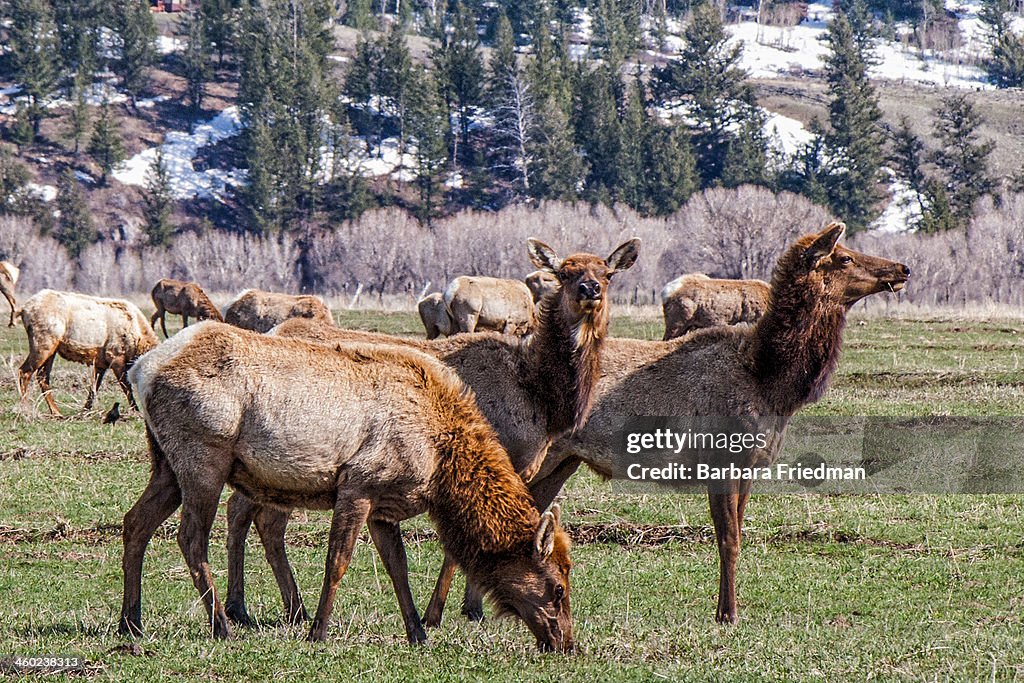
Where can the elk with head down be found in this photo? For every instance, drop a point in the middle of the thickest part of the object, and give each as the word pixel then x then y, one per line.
pixel 758 376
pixel 478 303
pixel 259 311
pixel 693 301
pixel 8 279
pixel 376 434
pixel 531 390
pixel 434 314
pixel 184 299
pixel 105 334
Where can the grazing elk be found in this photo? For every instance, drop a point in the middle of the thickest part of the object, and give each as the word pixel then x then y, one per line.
pixel 478 303
pixel 8 279
pixel 694 301
pixel 531 390
pixel 184 299
pixel 376 434
pixel 540 282
pixel 259 311
pixel 760 375
pixel 434 315
pixel 105 334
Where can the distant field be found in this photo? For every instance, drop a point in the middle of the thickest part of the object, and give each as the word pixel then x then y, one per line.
pixel 831 588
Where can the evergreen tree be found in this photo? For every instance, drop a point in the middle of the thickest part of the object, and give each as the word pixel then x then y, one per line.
pixel 962 156
pixel 714 90
pixel 14 177
pixel 196 59
pixel 1005 65
pixel 633 139
pixel 362 86
pixel 396 80
pixel 938 214
pixel 33 43
pixel 746 155
pixel 79 23
pixel 359 15
pixel 105 145
pixel 807 172
pixel 21 132
pixel 669 168
pixel 219 18
pixel 854 140
pixel 907 161
pixel 460 70
pixel 429 127
pixel 556 169
pixel 137 36
pixel 79 118
pixel 75 230
pixel 598 130
pixel 158 200
pixel 348 194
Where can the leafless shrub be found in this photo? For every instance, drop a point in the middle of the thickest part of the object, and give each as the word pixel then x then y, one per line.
pixel 43 262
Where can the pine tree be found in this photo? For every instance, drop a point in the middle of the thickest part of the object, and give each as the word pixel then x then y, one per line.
pixel 79 25
pixel 460 69
pixel 158 200
pixel 556 169
pixel 598 131
pixel 137 35
pixel 713 87
pixel 938 215
pixel 21 132
pixel 196 59
pixel 670 169
pixel 429 126
pixel 219 19
pixel 75 230
pixel 396 80
pixel 854 140
pixel 359 15
pixel 746 155
pixel 907 161
pixel 105 145
pixel 348 194
pixel 14 176
pixel 962 156
pixel 631 163
pixel 1005 65
pixel 79 118
pixel 33 43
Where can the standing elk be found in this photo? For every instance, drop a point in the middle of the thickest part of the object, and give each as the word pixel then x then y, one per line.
pixel 694 301
pixel 759 375
pixel 105 334
pixel 376 434
pixel 8 279
pixel 184 299
pixel 259 311
pixel 478 303
pixel 434 314
pixel 531 390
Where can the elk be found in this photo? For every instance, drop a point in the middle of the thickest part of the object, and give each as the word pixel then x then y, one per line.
pixel 759 375
pixel 694 301
pixel 259 311
pixel 531 390
pixel 8 279
pixel 434 315
pixel 184 299
pixel 105 334
pixel 540 282
pixel 375 434
pixel 478 303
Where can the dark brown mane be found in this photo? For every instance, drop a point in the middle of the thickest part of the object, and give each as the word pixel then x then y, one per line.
pixel 797 342
pixel 569 362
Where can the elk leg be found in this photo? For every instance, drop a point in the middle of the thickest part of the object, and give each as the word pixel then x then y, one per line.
pixel 199 508
pixel 387 536
pixel 435 608
pixel 349 516
pixel 120 370
pixel 241 511
pixel 39 363
pixel 725 515
pixel 158 315
pixel 94 385
pixel 43 376
pixel 184 321
pixel 10 300
pixel 161 497
pixel 271 525
pixel 544 492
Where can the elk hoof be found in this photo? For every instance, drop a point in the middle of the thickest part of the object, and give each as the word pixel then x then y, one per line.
pixel 417 636
pixel 727 618
pixel 474 612
pixel 239 614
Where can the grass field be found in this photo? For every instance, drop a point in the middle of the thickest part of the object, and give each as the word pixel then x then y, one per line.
pixel 831 588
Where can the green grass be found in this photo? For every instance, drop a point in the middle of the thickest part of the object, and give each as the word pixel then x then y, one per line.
pixel 831 587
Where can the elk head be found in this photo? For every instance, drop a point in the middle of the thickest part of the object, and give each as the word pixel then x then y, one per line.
pixel 848 276
pixel 583 279
pixel 535 586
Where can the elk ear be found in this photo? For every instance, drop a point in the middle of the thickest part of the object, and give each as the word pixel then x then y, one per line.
pixel 543 256
pixel 825 243
pixel 625 256
pixel 544 541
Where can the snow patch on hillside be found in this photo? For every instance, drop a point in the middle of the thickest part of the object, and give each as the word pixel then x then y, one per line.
pixel 179 149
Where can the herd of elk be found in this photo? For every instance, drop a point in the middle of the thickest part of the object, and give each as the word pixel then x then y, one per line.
pixel 480 430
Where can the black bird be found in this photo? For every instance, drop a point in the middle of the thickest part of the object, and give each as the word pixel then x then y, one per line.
pixel 113 415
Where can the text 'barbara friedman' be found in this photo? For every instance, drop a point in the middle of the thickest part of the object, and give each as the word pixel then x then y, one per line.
pixel 670 441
